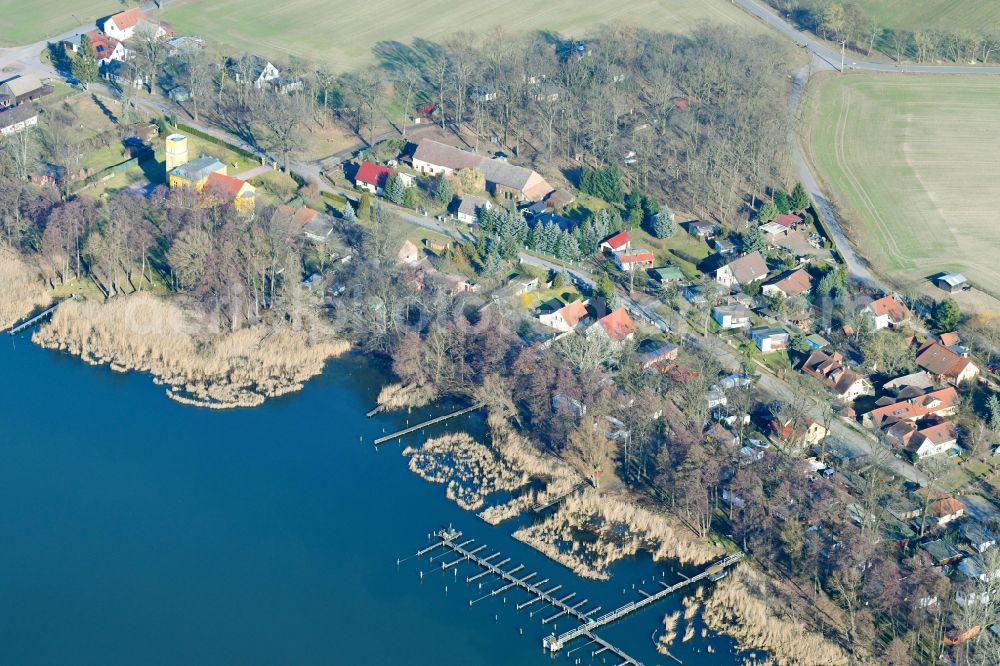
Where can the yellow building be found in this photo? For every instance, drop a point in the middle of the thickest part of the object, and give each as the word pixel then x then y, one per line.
pixel 220 188
pixel 195 173
pixel 177 151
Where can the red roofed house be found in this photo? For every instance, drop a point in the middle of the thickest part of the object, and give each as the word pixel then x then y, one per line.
pixel 620 242
pixel 372 177
pixel 566 318
pixel 946 510
pixel 934 437
pixel 121 26
pixel 938 360
pixel 888 311
pixel 229 189
pixel 789 285
pixel 628 261
pixel 743 271
pixel 841 380
pixel 942 402
pixel 787 220
pixel 617 326
pixel 104 48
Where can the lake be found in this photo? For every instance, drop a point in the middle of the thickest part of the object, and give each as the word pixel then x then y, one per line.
pixel 136 530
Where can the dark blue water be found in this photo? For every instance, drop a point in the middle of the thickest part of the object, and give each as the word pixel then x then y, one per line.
pixel 135 530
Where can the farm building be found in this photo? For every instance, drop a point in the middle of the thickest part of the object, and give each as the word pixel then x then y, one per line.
pixel 17 119
pixel 953 282
pixel 502 178
pixel 21 89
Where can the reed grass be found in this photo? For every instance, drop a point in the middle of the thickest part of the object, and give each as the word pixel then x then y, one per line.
pixel 744 606
pixel 22 289
pixel 152 334
pixel 404 396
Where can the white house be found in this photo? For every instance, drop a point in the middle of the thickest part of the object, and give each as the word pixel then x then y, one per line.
pixel 769 339
pixel 888 311
pixel 17 119
pixel 121 26
pixel 566 318
pixel 629 261
pixel 731 316
pixel 469 207
pixel 743 271
pixel 934 440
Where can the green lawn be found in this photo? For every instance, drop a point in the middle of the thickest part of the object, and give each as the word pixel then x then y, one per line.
pixel 912 163
pixel 24 22
pixel 974 15
pixel 343 34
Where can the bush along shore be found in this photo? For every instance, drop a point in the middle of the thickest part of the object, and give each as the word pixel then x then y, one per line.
pixel 152 334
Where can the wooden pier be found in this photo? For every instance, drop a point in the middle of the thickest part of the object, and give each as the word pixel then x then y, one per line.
pixel 439 419
pixel 556 643
pixel 542 506
pixel 17 328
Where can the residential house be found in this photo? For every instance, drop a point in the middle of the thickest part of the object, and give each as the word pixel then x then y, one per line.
pixel 502 178
pixel 804 431
pixel 923 440
pixel 230 190
pixel 469 206
pixel 941 552
pixel 20 89
pixel 909 386
pixel 843 382
pixel 194 174
pixel 732 316
pixel 743 271
pixel 316 226
pixel 635 259
pixel 566 318
pixel 667 274
pixel 616 326
pixel 942 402
pixel 952 282
pixel 17 119
pixel 620 242
pixel 702 229
pixel 942 362
pixel 373 177
pixel 946 510
pixel 888 311
pixel 122 26
pixel 788 285
pixel 125 75
pixel 103 47
pixel 409 253
pixel 658 357
pixel 259 71
pixel 769 339
pixel 559 198
pixel 978 536
pixel 788 220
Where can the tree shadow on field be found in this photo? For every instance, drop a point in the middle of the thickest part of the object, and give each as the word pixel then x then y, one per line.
pixel 395 55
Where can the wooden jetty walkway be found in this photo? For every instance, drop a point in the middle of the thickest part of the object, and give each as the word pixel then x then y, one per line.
pixel 439 419
pixel 555 643
pixel 17 328
pixel 542 506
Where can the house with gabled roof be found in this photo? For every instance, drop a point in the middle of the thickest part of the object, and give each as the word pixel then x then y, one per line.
pixel 789 284
pixel 634 259
pixel 843 382
pixel 942 362
pixel 923 439
pixel 942 402
pixel 732 316
pixel 978 536
pixel 888 311
pixel 20 89
pixel 566 318
pixel 18 119
pixel 373 177
pixel 946 510
pixel 616 326
pixel 230 190
pixel 122 26
pixel 469 206
pixel 740 272
pixel 103 47
pixel 502 178
pixel 619 242
pixel 316 226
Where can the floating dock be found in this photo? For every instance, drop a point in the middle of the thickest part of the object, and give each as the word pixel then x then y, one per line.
pixel 451 543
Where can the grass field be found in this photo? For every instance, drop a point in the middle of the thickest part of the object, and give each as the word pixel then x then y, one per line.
pixel 342 33
pixel 912 163
pixel 24 22
pixel 927 14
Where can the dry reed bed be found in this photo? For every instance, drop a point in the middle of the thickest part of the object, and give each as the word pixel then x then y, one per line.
pixel 147 333
pixel 620 528
pixel 742 606
pixel 471 470
pixel 22 289
pixel 669 634
pixel 403 396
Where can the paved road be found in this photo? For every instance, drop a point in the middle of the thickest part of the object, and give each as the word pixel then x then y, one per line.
pixel 832 57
